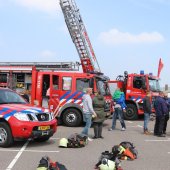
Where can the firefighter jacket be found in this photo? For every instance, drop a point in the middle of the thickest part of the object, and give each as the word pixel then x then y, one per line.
pixel 98 105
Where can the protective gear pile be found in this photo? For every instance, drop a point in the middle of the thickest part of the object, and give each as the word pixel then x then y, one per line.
pixel 112 160
pixel 74 141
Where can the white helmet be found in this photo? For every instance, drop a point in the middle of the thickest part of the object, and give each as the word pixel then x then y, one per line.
pixel 107 165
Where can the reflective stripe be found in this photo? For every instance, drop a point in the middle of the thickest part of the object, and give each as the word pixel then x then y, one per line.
pixel 7 116
pixel 63 96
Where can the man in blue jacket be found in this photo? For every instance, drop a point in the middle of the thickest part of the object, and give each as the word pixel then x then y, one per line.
pixel 160 110
pixel 167 114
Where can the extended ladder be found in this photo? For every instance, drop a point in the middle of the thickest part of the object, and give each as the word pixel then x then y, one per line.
pixel 79 36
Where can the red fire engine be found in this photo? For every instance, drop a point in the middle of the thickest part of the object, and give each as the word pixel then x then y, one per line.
pixel 135 87
pixel 66 88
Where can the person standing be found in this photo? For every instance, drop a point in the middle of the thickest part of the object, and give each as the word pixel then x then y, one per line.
pixel 98 105
pixel 119 108
pixel 167 113
pixel 147 111
pixel 88 111
pixel 160 110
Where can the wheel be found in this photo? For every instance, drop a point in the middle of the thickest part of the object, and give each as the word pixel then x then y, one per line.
pixel 6 138
pixel 72 117
pixel 131 112
pixel 42 139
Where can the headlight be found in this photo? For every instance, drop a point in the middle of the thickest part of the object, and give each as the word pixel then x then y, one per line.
pixel 21 116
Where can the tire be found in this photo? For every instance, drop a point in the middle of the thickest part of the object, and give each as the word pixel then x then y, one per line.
pixel 42 139
pixel 72 117
pixel 6 138
pixel 131 112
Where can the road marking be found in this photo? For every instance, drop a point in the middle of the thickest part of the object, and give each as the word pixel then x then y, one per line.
pixel 132 126
pixel 157 140
pixel 55 138
pixel 6 150
pixel 140 126
pixel 129 121
pixel 17 156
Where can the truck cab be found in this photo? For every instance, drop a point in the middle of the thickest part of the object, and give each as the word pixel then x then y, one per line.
pixel 66 91
pixel 135 87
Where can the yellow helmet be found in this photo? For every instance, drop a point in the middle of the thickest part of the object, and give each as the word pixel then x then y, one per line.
pixel 63 142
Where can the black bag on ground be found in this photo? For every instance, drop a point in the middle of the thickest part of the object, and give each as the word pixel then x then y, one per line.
pixel 58 166
pixel 46 164
pixel 77 140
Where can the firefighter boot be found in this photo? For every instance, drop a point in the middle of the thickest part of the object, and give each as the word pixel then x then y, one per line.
pixel 95 126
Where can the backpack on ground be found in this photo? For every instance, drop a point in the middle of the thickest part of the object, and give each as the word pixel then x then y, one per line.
pixel 129 151
pixel 46 164
pixel 77 140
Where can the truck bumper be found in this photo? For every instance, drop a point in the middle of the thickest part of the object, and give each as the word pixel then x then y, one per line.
pixel 25 130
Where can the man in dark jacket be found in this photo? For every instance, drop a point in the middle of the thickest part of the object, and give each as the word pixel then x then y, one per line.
pixel 147 111
pixel 167 113
pixel 160 110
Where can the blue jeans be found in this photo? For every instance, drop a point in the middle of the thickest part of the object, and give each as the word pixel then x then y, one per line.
pixel 146 121
pixel 87 118
pixel 118 113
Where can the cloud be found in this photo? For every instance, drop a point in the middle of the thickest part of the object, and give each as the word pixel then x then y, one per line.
pixel 48 6
pixel 46 54
pixel 114 37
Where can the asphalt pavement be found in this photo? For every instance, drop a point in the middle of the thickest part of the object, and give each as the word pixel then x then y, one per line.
pixel 154 152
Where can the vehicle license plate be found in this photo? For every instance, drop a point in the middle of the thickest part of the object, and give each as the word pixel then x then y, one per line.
pixel 43 127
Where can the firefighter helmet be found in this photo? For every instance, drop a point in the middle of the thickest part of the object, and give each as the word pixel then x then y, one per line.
pixel 107 165
pixel 63 142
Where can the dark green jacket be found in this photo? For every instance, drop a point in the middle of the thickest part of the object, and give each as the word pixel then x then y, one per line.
pixel 98 106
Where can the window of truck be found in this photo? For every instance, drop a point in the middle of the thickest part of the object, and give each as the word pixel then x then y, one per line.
pixel 137 82
pixel 82 84
pixel 103 87
pixel 154 85
pixel 3 78
pixel 67 83
pixel 55 82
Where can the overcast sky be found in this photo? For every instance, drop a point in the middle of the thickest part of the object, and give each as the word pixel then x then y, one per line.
pixel 126 34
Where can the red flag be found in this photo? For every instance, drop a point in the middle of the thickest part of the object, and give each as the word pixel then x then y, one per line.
pixel 160 66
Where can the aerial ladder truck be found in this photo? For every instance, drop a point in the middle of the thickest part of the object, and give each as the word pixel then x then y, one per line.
pixel 65 83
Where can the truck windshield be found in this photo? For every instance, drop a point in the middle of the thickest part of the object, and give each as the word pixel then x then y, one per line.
pixel 102 86
pixel 154 85
pixel 9 97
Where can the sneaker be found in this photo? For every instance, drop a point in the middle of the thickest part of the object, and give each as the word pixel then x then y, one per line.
pixel 89 139
pixel 123 129
pixel 110 129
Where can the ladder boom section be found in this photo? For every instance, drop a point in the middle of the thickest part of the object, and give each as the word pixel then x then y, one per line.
pixel 79 36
